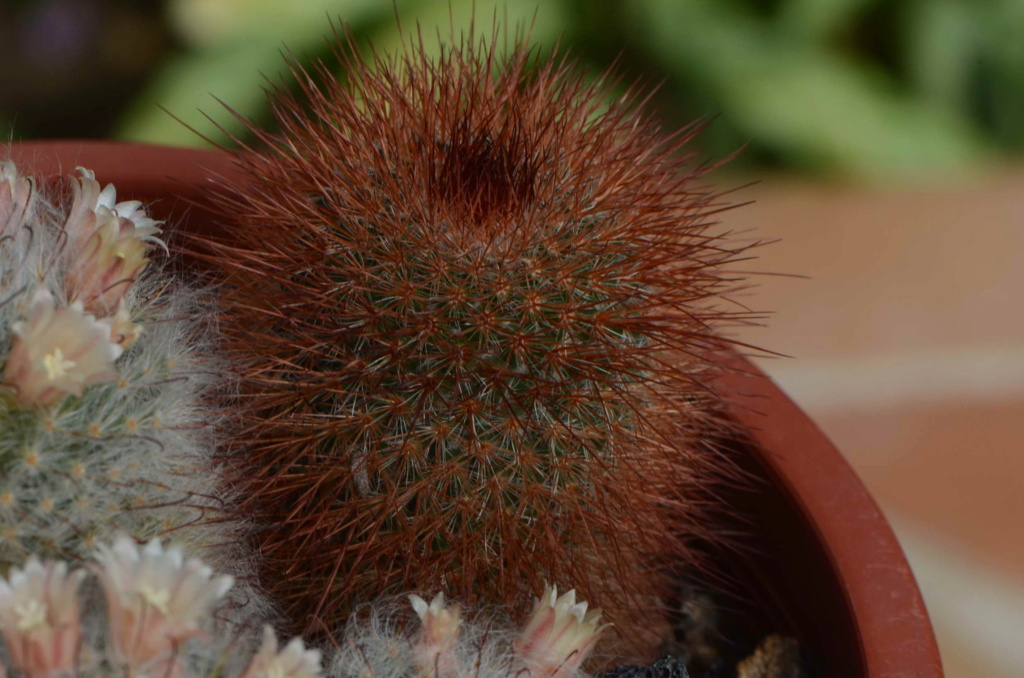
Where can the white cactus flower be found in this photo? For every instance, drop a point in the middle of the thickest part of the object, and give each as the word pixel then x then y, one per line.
pixel 434 645
pixel 89 202
pixel 294 661
pixel 103 270
pixel 58 352
pixel 559 635
pixel 156 600
pixel 39 617
pixel 107 244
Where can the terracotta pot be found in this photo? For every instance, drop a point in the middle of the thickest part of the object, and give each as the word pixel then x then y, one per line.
pixel 825 563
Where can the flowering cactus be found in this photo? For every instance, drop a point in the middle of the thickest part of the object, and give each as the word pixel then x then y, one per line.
pixel 158 622
pixel 555 642
pixel 103 426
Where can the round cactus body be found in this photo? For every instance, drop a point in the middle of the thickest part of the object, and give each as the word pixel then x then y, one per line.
pixel 470 307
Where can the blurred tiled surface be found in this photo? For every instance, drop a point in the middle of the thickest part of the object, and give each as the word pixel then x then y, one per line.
pixel 954 467
pixel 908 350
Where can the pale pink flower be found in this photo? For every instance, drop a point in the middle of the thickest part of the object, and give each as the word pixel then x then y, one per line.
pixel 17 195
pixel 434 646
pixel 57 352
pixel 107 244
pixel 88 201
pixel 156 601
pixel 100 274
pixel 294 661
pixel 81 219
pixel 39 618
pixel 559 635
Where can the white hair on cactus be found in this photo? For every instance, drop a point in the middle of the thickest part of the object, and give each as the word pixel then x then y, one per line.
pixel 90 447
pixel 383 642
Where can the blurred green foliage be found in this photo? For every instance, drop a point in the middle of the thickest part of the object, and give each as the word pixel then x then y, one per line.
pixel 871 89
pixel 235 46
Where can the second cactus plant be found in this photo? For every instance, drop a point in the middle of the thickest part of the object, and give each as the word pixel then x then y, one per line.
pixel 471 304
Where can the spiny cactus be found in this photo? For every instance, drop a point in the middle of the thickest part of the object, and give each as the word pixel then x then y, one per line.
pixel 158 620
pixel 471 305
pixel 102 422
pixel 556 641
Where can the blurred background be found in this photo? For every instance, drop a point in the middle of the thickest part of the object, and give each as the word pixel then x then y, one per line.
pixel 886 137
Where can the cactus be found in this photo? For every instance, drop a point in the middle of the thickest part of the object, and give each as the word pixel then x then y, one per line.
pixel 103 424
pixel 161 617
pixel 556 641
pixel 470 305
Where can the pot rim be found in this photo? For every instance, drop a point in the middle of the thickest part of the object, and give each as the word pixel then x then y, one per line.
pixel 888 612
